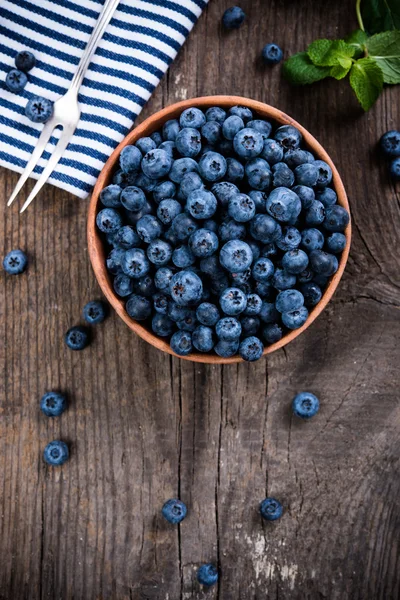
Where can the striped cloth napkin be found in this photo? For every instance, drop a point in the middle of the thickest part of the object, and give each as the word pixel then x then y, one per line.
pixel 139 44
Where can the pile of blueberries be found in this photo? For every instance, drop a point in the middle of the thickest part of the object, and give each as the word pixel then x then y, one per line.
pixel 222 231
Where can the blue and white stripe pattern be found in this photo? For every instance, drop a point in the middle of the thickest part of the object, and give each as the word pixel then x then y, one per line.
pixel 139 44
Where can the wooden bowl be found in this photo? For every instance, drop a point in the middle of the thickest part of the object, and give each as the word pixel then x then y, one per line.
pixel 153 123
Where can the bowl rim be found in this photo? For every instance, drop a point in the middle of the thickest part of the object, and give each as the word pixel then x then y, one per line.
pixel 153 123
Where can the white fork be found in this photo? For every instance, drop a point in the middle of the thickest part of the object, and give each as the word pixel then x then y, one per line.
pixel 66 112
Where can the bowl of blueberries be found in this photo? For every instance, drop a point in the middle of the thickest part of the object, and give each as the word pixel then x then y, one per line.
pixel 219 229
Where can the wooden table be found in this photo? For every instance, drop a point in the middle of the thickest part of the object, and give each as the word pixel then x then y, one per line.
pixel 143 426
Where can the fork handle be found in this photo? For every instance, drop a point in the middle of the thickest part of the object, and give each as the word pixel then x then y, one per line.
pixel 97 33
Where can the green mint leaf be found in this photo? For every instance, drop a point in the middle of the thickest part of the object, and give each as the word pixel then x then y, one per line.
pixel 380 15
pixel 339 71
pixel 366 79
pixel 299 70
pixel 325 53
pixel 357 39
pixel 384 48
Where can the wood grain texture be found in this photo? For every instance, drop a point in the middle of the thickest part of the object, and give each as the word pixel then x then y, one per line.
pixel 144 426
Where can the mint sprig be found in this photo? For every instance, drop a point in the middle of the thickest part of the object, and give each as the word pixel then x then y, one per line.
pixel 370 61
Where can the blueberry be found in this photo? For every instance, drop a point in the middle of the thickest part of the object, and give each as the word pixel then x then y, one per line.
pixel 188 142
pixel 149 228
pixel 145 183
pixel 336 218
pixel 294 158
pixel 108 220
pixel 110 196
pixel 271 509
pixel 282 176
pixel 223 191
pixel 234 170
pixel 145 144
pixel 170 148
pixel 203 338
pixel 272 151
pixel 144 286
pixel 181 343
pixel 123 285
pixel 186 288
pixel 163 191
pixel 306 174
pixel 15 262
pixel 250 325
pixel 312 293
pixel 251 349
pixel 243 112
pixel 126 237
pixel 124 179
pixel 268 313
pixel 327 196
pixel 272 333
pixel 170 130
pixel 315 214
pixel 159 252
pixel 157 138
pixel 226 349
pixel 265 229
pixel 228 329
pixel 270 249
pixel 211 132
pixel 305 276
pixel 295 318
pixel 162 325
pixel 16 81
pixel 207 314
pixel 236 256
pixel 324 173
pixel 336 243
pixel 233 301
pixel 183 257
pixel 94 312
pixel 130 159
pixel 390 144
pixel 203 243
pixel 211 225
pixel 134 263
pixel 230 230
pixel 167 210
pixel 259 198
pixel 263 127
pixel 190 182
pixel 132 217
pixel 77 338
pixel 231 126
pixel 156 163
pixel 258 174
pixel 189 321
pixel 160 303
pixel 263 269
pixel 323 263
pixel 181 167
pixel 254 304
pixel 288 136
pixel 183 226
pixel 289 300
pixel 113 261
pixel 294 261
pixel 192 117
pixel 305 405
pixel 255 249
pixel 290 239
pixel 56 453
pixel 282 280
pixel 320 280
pixel 39 110
pixel 215 113
pixel 283 204
pixel 201 204
pixel 162 278
pixel 233 17
pixel 241 208
pixel 177 313
pixel 53 404
pixel 312 239
pixel 248 143
pixel 306 195
pixel 133 198
pixel 272 54
pixel 212 166
pixel 25 61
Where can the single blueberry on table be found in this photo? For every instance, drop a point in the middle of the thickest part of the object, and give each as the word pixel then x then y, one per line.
pixel 272 333
pixel 39 110
pixel 144 286
pixel 56 453
pixel 160 303
pixel 135 263
pixel 296 157
pixel 305 405
pixel 207 575
pixel 296 318
pixel 236 256
pixel 312 293
pixel 212 166
pixel 289 300
pixel 288 136
pixel 272 151
pixel 390 144
pixel 130 159
pixel 241 208
pixel 306 174
pixel 53 404
pixel 123 285
pixel 201 204
pixel 268 313
pixel 186 288
pixel 282 280
pixel 211 132
pixel 234 170
pixel 94 312
pixel 251 349
pixel 77 338
pixel 248 143
pixel 315 214
pixel 230 230
pixel 323 263
pixel 233 301
pixel 188 142
pixel 203 243
pixel 336 243
pixel 282 176
pixel 228 329
pixel 15 262
pixel 183 256
pixel 250 325
pixel 145 144
pixel 271 509
pixel 233 17
pixel 203 338
pixel 110 196
pixel 163 191
pixel 25 61
pixel 108 220
pixel 138 307
pixel 263 127
pixel 223 191
pixel 258 174
pixel 156 164
pixel 183 226
pixel 215 113
pixel 170 130
pixel 312 239
pixel 272 54
pixel 295 261
pixel 167 210
pixel 283 204
pixel 192 117
pixel 263 269
pixel 265 229
pixel 159 252
pixel 181 343
pixel 231 126
pixel 174 511
pixel 226 349
pixel 162 325
pixel 327 196
pixel 336 218
pixel 290 239
pixel 306 195
pixel 16 81
pixel 190 182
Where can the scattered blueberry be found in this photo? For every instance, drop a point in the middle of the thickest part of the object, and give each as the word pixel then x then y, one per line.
pixel 174 511
pixel 271 509
pixel 53 404
pixel 25 61
pixel 305 405
pixel 39 110
pixel 233 17
pixel 16 80
pixel 56 453
pixel 15 262
pixel 207 575
pixel 272 54
pixel 94 312
pixel 77 338
pixel 390 144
